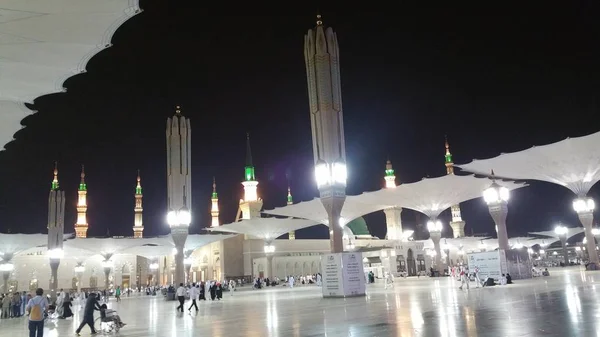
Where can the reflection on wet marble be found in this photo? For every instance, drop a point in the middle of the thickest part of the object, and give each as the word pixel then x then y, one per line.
pixel 565 304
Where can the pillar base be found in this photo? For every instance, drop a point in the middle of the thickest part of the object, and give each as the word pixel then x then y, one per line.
pixel 343 275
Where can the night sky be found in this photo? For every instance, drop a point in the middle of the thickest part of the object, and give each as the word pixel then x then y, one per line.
pixel 493 80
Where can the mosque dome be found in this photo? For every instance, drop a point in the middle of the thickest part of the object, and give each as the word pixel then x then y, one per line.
pixel 358 226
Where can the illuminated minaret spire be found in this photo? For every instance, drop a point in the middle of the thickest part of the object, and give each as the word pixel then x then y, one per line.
pixel 390 178
pixel 457 224
pixel 81 226
pixel 251 205
pixel 138 228
pixel 214 209
pixel 55 180
pixel 393 215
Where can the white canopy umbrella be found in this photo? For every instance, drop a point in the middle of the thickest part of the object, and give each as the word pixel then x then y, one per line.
pixel 195 241
pixel 44 42
pixel 267 229
pixel 570 232
pixel 11 244
pixel 431 196
pixel 314 210
pixel 573 163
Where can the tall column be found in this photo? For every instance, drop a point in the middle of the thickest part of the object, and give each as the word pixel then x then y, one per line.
pixel 269 266
pixel 584 207
pixel 393 221
pixel 499 211
pixel 56 224
pixel 435 237
pixel 106 277
pixel 5 276
pixel 179 214
pixel 321 54
pixel 563 241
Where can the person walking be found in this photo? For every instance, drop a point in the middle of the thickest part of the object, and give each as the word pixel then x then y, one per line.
pixel 194 293
pixel 464 278
pixel 88 314
pixel 180 296
pixel 118 293
pixel 36 307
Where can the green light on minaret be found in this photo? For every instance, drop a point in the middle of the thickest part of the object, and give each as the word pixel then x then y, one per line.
pixel 82 184
pixel 249 169
pixel 54 186
pixel 214 192
pixel 138 188
pixel 448 155
pixel 389 172
pixel 290 200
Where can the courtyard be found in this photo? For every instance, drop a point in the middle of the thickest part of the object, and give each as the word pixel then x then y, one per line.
pixel 564 304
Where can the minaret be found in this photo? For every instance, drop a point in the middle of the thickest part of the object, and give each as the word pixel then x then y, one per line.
pixel 457 224
pixel 251 205
pixel 56 228
pixel 138 228
pixel 393 219
pixel 290 201
pixel 214 209
pixel 81 226
pixel 179 186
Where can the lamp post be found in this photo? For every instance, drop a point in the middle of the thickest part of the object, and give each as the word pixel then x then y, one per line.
pixel 54 255
pixel 6 268
pixel 269 249
pixel 596 234
pixel 584 207
pixel 106 266
pixel 179 221
pixel 331 181
pixel 435 233
pixel 79 270
pixel 562 231
pixel 496 197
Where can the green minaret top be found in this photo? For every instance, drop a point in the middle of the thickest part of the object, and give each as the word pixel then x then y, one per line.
pixel 82 184
pixel 138 188
pixel 55 180
pixel 249 169
pixel 389 171
pixel 290 200
pixel 448 154
pixel 214 193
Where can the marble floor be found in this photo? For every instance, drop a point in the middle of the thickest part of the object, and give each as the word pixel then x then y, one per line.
pixel 565 304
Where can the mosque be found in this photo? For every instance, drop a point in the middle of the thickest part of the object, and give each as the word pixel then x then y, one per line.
pixel 74 261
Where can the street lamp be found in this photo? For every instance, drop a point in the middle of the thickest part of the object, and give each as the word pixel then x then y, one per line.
pixel 496 197
pixel 435 227
pixel 331 182
pixel 561 232
pixel 584 206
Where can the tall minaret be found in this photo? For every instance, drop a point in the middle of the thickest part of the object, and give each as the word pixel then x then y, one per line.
pixel 251 205
pixel 457 224
pixel 290 201
pixel 56 228
pixel 179 183
pixel 214 209
pixel 393 215
pixel 81 226
pixel 138 228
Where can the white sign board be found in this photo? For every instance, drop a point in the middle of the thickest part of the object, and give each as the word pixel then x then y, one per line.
pixel 343 275
pixel 490 264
